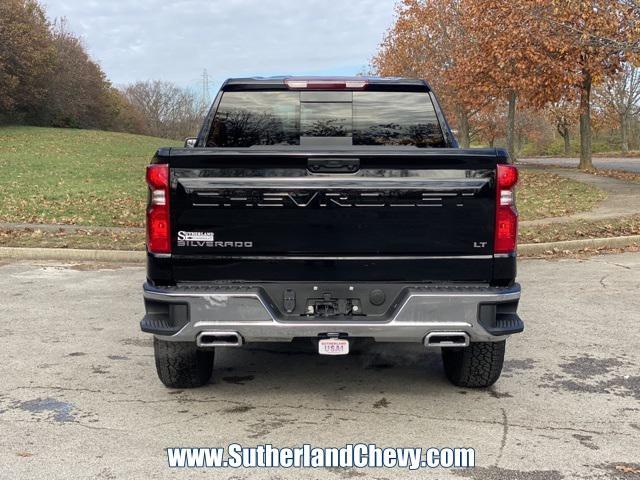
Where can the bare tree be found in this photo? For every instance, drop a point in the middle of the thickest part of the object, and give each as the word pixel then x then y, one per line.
pixel 620 98
pixel 563 114
pixel 169 111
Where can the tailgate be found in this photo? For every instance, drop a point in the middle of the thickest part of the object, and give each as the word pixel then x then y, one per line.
pixel 423 206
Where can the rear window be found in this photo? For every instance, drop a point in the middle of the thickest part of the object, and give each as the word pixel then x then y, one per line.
pixel 332 118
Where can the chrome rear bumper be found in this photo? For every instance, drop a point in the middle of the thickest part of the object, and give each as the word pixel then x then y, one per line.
pixel 183 313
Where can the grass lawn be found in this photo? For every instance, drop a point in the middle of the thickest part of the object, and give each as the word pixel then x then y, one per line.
pixel 83 177
pixel 96 178
pixel 542 195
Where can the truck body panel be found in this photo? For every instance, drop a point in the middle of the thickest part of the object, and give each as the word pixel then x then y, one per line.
pixel 249 208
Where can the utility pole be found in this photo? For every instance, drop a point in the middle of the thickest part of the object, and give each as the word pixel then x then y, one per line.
pixel 205 88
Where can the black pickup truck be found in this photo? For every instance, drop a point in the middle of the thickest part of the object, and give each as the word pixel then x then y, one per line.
pixel 331 209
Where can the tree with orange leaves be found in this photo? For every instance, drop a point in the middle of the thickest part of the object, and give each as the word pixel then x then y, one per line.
pixel 538 51
pixel 428 41
pixel 508 61
pixel 455 45
pixel 559 46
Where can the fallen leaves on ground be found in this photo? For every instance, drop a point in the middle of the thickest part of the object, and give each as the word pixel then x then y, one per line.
pixel 584 252
pixel 627 469
pixel 556 232
pixel 89 239
pixel 619 174
pixel 544 194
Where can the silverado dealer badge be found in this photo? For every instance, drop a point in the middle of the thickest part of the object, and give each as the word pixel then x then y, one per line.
pixel 207 239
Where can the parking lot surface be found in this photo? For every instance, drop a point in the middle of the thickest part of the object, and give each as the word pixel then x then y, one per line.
pixel 80 397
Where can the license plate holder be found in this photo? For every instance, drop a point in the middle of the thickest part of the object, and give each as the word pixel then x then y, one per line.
pixel 333 346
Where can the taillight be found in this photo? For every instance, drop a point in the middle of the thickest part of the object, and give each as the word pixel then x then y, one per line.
pixel 506 235
pixel 158 226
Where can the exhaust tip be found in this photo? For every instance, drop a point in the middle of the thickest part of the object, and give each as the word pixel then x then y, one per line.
pixel 446 339
pixel 219 339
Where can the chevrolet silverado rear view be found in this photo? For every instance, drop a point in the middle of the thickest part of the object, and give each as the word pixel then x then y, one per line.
pixel 335 210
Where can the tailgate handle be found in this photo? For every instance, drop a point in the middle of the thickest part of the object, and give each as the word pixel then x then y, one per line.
pixel 333 165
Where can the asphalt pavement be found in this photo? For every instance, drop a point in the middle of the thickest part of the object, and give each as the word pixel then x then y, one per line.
pixel 80 397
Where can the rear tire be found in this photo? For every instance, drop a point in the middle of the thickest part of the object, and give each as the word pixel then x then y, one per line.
pixel 477 366
pixel 182 364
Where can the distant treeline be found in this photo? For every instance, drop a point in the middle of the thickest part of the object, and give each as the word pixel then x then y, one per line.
pixel 48 79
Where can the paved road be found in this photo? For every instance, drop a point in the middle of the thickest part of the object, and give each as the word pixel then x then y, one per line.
pixel 616 163
pixel 80 398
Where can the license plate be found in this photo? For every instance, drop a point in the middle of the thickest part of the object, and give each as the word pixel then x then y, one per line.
pixel 333 346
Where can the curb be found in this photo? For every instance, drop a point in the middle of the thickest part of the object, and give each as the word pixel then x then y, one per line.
pixel 130 256
pixel 73 254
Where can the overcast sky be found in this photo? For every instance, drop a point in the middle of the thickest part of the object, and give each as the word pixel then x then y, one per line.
pixel 176 39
